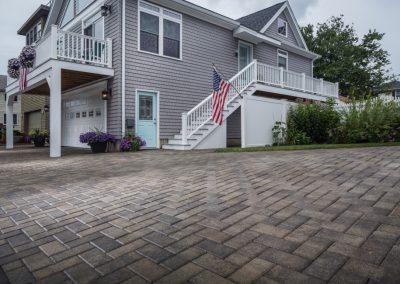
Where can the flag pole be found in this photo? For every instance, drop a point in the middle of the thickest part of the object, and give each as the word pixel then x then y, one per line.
pixel 224 78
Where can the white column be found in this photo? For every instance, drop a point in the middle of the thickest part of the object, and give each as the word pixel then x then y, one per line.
pixel 281 76
pixel 303 81
pixel 10 123
pixel 53 40
pixel 55 113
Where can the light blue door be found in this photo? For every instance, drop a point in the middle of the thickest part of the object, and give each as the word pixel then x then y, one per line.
pixel 146 118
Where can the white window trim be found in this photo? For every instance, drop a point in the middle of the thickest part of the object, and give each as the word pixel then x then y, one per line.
pixel 38 36
pixel 93 14
pixel 279 54
pixel 158 146
pixel 251 52
pixel 286 24
pixel 5 116
pixel 161 17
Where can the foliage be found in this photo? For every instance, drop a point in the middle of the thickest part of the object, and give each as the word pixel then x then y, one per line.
pixel 96 137
pixel 311 122
pixel 27 57
pixel 371 120
pixel 131 143
pixel 279 133
pixel 358 64
pixel 307 147
pixel 13 68
pixel 37 135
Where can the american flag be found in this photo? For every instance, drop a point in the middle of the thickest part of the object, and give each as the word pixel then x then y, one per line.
pixel 23 83
pixel 221 90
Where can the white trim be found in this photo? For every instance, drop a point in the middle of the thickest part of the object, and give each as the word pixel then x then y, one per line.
pixel 101 18
pixel 293 19
pixel 251 52
pixel 279 53
pixel 286 27
pixel 91 9
pixel 123 71
pixel 161 17
pixel 157 93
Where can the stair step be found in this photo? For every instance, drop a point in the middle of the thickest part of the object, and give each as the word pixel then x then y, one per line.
pixel 177 147
pixel 194 136
pixel 179 141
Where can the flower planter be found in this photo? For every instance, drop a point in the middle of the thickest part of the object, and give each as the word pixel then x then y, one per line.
pixel 98 147
pixel 39 143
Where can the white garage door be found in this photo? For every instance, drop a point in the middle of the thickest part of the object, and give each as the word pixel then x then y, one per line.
pixel 35 120
pixel 81 113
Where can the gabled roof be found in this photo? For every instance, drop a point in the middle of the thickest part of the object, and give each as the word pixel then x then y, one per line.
pixel 42 11
pixel 260 19
pixel 3 83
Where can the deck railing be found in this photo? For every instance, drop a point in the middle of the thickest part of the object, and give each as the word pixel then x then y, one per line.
pixel 201 114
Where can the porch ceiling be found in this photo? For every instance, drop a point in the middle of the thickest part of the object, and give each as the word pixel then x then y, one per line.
pixel 70 79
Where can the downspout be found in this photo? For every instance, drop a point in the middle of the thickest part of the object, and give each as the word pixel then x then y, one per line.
pixel 123 114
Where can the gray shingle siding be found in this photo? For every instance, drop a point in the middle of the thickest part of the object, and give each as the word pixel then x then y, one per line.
pixel 268 54
pixel 272 31
pixel 113 30
pixel 182 84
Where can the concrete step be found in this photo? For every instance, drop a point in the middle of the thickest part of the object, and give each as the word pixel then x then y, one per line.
pixel 176 147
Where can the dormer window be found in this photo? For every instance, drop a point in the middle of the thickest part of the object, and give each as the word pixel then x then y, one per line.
pixel 34 34
pixel 282 27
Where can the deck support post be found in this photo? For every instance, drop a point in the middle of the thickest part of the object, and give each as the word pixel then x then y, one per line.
pixel 184 129
pixel 9 123
pixel 55 113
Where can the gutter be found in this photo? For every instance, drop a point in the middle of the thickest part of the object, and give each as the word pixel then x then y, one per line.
pixel 123 110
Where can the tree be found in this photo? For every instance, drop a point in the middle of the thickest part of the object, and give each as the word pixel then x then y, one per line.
pixel 359 65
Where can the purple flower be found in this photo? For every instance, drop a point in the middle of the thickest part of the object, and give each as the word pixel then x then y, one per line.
pixel 27 56
pixel 126 145
pixel 96 137
pixel 131 143
pixel 13 68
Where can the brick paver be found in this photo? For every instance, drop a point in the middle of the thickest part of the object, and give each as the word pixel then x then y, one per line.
pixel 200 217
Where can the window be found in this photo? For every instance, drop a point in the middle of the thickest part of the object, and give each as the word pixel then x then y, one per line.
pixel 397 94
pixel 15 119
pixel 69 13
pixel 282 27
pixel 283 59
pixel 160 31
pixel 34 34
pixel 82 4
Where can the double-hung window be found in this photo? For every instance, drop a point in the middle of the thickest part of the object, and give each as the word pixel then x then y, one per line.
pixel 15 119
pixel 283 59
pixel 160 30
pixel 282 27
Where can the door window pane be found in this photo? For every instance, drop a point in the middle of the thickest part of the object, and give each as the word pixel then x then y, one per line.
pixel 149 32
pixel 244 55
pixel 145 108
pixel 172 37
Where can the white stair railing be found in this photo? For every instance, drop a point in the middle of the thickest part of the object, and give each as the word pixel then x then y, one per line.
pixel 201 114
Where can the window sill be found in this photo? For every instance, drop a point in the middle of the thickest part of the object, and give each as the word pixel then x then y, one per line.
pixel 159 55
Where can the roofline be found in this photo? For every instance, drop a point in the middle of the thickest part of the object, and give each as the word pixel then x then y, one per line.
pixel 280 11
pixel 41 7
pixel 199 12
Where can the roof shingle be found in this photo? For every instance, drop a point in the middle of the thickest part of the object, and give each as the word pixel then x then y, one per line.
pixel 258 20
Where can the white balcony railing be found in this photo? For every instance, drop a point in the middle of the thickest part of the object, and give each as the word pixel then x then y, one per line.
pixel 279 77
pixel 255 72
pixel 73 47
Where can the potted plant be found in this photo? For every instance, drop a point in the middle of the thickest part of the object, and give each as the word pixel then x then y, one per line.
pixel 27 57
pixel 39 137
pixel 131 143
pixel 97 140
pixel 13 68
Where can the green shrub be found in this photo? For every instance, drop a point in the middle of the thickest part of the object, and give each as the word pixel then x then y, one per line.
pixel 372 120
pixel 279 133
pixel 312 123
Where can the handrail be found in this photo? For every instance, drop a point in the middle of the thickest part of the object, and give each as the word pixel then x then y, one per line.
pixel 201 114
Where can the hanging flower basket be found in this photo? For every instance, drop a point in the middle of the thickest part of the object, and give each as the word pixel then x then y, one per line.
pixel 27 57
pixel 13 68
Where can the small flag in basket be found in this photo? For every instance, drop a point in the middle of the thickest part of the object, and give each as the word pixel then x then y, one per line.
pixel 23 83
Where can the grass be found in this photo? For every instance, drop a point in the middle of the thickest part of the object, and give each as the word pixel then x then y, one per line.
pixel 307 147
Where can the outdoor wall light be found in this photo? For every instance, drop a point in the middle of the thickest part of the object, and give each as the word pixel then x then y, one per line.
pixel 105 95
pixel 105 10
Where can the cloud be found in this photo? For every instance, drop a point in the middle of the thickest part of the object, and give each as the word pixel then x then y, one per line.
pixel 365 14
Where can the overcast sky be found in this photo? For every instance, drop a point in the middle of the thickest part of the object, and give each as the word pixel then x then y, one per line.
pixel 365 14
